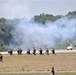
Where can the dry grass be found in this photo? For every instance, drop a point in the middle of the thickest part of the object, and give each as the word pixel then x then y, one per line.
pixel 61 62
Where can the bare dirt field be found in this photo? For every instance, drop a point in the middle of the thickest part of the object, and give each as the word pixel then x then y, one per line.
pixel 38 63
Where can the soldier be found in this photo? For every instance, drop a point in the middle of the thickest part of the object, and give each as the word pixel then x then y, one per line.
pixel 41 51
pixel 28 52
pixel 34 51
pixel 53 51
pixel 20 51
pixel 52 71
pixel 11 51
pixel 1 57
pixel 47 51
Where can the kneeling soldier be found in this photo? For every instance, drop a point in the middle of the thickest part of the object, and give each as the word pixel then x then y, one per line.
pixel 11 51
pixel 28 52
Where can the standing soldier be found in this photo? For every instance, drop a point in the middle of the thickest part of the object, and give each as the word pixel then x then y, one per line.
pixel 41 51
pixel 1 57
pixel 34 51
pixel 52 71
pixel 53 51
pixel 47 51
pixel 20 51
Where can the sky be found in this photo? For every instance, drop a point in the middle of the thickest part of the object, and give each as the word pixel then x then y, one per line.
pixel 11 9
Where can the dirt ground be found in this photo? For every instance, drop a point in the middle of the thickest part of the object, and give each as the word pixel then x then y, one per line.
pixel 62 61
pixel 24 63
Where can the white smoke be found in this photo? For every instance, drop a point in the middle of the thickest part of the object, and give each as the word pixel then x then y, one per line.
pixel 29 34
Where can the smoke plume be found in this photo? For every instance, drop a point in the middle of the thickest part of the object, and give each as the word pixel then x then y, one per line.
pixel 29 34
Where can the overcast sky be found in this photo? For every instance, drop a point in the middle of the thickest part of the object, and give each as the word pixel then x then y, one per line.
pixel 28 8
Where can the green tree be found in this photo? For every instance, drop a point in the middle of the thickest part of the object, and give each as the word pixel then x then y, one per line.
pixel 72 14
pixel 42 18
pixel 6 28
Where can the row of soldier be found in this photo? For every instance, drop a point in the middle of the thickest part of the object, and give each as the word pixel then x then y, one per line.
pixel 19 51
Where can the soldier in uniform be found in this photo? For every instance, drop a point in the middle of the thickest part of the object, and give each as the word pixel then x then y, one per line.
pixel 52 71
pixel 41 51
pixel 11 51
pixel 47 51
pixel 20 51
pixel 28 52
pixel 34 51
pixel 53 51
pixel 1 57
